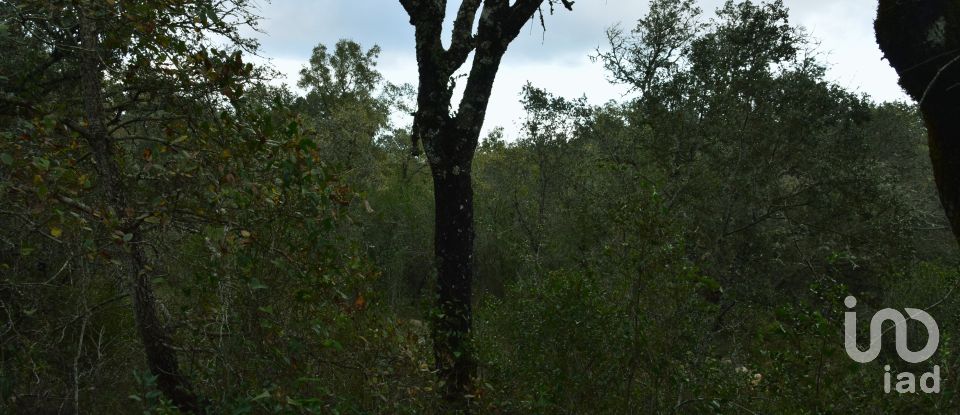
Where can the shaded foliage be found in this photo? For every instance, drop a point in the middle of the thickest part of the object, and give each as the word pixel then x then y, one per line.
pixel 683 251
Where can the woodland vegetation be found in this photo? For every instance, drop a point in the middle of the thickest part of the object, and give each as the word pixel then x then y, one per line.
pixel 179 234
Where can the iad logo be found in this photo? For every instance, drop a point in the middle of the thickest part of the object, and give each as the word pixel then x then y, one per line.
pixel 906 381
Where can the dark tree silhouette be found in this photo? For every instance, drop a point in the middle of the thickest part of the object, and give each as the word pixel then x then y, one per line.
pixel 449 141
pixel 921 39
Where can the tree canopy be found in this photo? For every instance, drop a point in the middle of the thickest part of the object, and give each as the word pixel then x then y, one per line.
pixel 181 233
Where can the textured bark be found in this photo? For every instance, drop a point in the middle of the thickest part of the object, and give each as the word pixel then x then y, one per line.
pixel 161 357
pixel 449 142
pixel 921 40
pixel 453 247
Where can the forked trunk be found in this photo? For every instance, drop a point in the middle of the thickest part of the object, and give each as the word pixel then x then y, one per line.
pixel 450 142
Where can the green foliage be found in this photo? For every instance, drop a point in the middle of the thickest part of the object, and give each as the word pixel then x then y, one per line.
pixel 554 343
pixel 685 251
pixel 148 399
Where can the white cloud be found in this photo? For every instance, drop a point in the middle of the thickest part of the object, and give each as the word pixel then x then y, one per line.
pixel 571 77
pixel 557 60
pixel 845 32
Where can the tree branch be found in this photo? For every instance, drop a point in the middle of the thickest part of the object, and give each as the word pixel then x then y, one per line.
pixel 463 41
pixel 521 12
pixel 411 7
pixel 420 9
pixel 500 23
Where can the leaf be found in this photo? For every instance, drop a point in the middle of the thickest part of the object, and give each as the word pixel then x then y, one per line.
pixel 56 232
pixel 6 159
pixel 256 284
pixel 127 237
pixel 41 163
pixel 307 144
pixel 333 344
pixel 263 395
pixel 245 233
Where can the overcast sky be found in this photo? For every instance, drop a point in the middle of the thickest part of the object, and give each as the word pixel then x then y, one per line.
pixel 558 59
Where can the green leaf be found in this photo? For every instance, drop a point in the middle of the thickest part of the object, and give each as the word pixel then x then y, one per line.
pixel 6 159
pixel 333 344
pixel 41 163
pixel 307 144
pixel 255 284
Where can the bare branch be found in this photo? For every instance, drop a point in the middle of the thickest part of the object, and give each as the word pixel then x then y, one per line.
pixel 427 20
pixel 520 13
pixel 463 42
pixel 524 10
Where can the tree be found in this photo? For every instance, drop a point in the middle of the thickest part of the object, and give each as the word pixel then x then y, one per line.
pixel 347 102
pixel 921 40
pixel 449 141
pixel 116 75
pixel 161 357
pixel 772 168
pixel 655 48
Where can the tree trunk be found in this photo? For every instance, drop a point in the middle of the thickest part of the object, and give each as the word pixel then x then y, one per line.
pixel 921 40
pixel 449 142
pixel 161 357
pixel 943 127
pixel 453 247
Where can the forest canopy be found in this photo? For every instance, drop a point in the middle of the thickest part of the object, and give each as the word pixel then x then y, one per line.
pixel 182 233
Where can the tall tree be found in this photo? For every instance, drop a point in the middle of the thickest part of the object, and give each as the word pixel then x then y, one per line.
pixel 449 141
pixel 112 75
pixel 161 356
pixel 921 41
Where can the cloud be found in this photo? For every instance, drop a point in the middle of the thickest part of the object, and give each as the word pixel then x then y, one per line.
pixel 572 76
pixel 556 59
pixel 291 28
pixel 844 30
